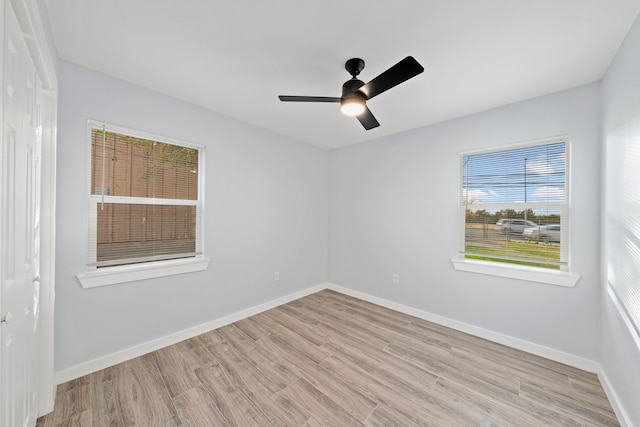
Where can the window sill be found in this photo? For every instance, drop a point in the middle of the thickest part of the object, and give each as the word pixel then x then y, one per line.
pixel 131 273
pixel 522 272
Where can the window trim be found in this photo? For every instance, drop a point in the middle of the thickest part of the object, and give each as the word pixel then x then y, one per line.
pixel 93 276
pixel 563 277
pixel 134 272
pixel 515 271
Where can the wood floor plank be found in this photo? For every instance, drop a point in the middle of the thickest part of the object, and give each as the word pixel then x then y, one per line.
pixel 264 355
pixel 370 312
pixel 107 393
pixel 176 372
pixel 310 334
pixel 232 401
pixel 575 394
pixel 340 391
pixel 312 422
pixel 329 359
pixel 384 416
pixel 83 419
pixel 293 410
pixel 73 401
pixel 385 366
pixel 258 381
pixel 284 337
pixel 391 388
pixel 194 351
pixel 593 393
pixel 348 328
pixel 300 314
pixel 252 328
pixel 246 372
pixel 486 410
pixel 446 362
pixel 148 390
pixel 387 393
pixel 563 404
pixel 325 411
pixel 501 355
pixel 255 382
pixel 196 408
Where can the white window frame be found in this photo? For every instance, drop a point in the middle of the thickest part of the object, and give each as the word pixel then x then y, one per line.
pixel 562 277
pixel 103 276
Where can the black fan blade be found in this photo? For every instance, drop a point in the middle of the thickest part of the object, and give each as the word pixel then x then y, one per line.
pixel 367 119
pixel 288 98
pixel 401 72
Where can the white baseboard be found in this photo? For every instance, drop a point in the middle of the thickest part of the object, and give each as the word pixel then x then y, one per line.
pixel 537 349
pixel 77 371
pixel 103 362
pixel 621 413
pixel 95 365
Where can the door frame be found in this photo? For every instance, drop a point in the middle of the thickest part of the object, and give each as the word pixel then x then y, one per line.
pixel 34 24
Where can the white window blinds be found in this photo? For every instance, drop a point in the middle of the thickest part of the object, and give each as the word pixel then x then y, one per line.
pixel 623 225
pixel 144 202
pixel 514 204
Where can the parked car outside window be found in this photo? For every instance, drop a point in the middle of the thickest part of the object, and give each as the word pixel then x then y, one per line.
pixel 514 226
pixel 546 233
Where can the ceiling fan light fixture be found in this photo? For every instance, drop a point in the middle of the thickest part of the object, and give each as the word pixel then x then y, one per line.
pixel 352 106
pixel 355 93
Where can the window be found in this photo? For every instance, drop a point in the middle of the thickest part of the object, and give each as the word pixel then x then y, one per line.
pixel 514 206
pixel 623 226
pixel 145 204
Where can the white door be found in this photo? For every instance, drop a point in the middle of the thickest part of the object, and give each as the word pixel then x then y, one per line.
pixel 19 271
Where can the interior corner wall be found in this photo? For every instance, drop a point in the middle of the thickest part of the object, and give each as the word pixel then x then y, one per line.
pixel 45 24
pixel 266 202
pixel 620 346
pixel 394 210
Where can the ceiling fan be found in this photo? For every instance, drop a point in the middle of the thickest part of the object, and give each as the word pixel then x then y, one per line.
pixel 356 93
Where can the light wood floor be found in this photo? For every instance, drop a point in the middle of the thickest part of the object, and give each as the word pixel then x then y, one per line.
pixel 332 360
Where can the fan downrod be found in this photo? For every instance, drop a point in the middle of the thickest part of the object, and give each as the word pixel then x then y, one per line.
pixel 354 66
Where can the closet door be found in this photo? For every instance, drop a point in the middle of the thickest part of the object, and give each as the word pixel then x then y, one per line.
pixel 20 192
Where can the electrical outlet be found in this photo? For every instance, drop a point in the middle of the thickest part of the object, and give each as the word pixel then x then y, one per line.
pixel 396 279
pixel 276 275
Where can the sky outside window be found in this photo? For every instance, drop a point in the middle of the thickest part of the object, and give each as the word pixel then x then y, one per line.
pixel 503 176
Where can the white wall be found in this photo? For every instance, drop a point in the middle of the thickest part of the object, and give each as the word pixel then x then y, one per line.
pixel 266 210
pixel 394 209
pixel 45 25
pixel 620 351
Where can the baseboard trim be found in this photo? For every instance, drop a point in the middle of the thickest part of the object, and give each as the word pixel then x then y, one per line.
pixel 95 365
pixel 100 363
pixel 621 413
pixel 82 369
pixel 537 349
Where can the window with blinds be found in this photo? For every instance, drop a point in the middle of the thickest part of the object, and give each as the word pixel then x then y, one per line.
pixel 514 204
pixel 144 201
pixel 623 225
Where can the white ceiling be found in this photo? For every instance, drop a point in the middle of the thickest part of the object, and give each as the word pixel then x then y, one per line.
pixel 236 57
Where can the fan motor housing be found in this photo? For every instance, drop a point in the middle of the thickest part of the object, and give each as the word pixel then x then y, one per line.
pixel 350 87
